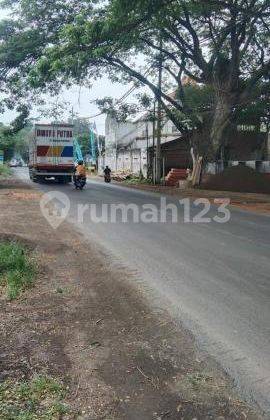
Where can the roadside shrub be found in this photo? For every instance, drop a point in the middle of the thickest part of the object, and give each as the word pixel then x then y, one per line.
pixel 134 180
pixel 4 171
pixel 17 269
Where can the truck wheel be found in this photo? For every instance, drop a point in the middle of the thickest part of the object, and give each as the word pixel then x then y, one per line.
pixel 33 178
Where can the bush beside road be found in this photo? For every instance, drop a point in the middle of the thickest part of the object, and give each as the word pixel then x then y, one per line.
pixel 4 171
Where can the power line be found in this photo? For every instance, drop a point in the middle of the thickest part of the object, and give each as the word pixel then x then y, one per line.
pixel 124 96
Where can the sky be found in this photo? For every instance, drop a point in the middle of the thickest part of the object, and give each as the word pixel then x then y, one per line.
pixel 79 98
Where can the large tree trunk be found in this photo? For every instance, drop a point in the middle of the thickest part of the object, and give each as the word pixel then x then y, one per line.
pixel 209 136
pixel 201 142
pixel 221 120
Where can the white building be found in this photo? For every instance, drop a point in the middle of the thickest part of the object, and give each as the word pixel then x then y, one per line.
pixel 126 143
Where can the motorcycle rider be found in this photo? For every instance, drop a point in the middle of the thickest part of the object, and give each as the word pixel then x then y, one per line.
pixel 107 172
pixel 80 171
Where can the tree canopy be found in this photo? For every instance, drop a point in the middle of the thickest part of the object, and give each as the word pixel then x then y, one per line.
pixel 14 143
pixel 220 44
pixel 13 137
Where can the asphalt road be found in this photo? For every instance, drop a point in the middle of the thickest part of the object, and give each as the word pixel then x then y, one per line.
pixel 213 277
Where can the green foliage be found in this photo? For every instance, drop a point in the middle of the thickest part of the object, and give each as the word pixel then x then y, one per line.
pixel 257 111
pixel 198 98
pixel 7 142
pixel 15 142
pixel 12 138
pixel 119 111
pixel 84 142
pixel 4 171
pixel 38 399
pixel 82 134
pixel 17 269
pixel 135 180
pixel 20 121
pixel 21 139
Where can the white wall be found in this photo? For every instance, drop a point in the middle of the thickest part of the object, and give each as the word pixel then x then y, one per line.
pixel 130 140
pixel 120 134
pixel 133 160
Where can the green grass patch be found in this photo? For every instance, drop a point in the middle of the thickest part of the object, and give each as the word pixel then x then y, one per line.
pixel 133 180
pixel 41 398
pixel 17 269
pixel 5 171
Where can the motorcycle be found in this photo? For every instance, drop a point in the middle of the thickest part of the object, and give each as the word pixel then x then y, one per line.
pixel 107 178
pixel 79 183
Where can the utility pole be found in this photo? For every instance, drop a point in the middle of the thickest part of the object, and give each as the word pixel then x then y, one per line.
pixel 159 117
pixel 147 150
pixel 154 146
pixel 72 115
pixel 116 153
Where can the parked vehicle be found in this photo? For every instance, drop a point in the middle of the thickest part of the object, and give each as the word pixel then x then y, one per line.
pixel 79 182
pixel 13 163
pixel 51 153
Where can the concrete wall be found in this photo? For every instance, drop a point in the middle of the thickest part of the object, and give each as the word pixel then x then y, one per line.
pixel 120 134
pixel 133 160
pixel 126 144
pixel 260 166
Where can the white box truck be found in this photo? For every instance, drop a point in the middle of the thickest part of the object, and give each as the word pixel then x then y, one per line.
pixel 51 153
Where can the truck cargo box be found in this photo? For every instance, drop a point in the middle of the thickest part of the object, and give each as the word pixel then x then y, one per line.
pixel 51 152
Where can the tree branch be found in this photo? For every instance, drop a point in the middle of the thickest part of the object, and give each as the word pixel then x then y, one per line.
pixel 116 62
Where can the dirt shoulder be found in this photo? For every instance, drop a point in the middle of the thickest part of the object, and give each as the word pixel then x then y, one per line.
pixel 82 323
pixel 248 201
